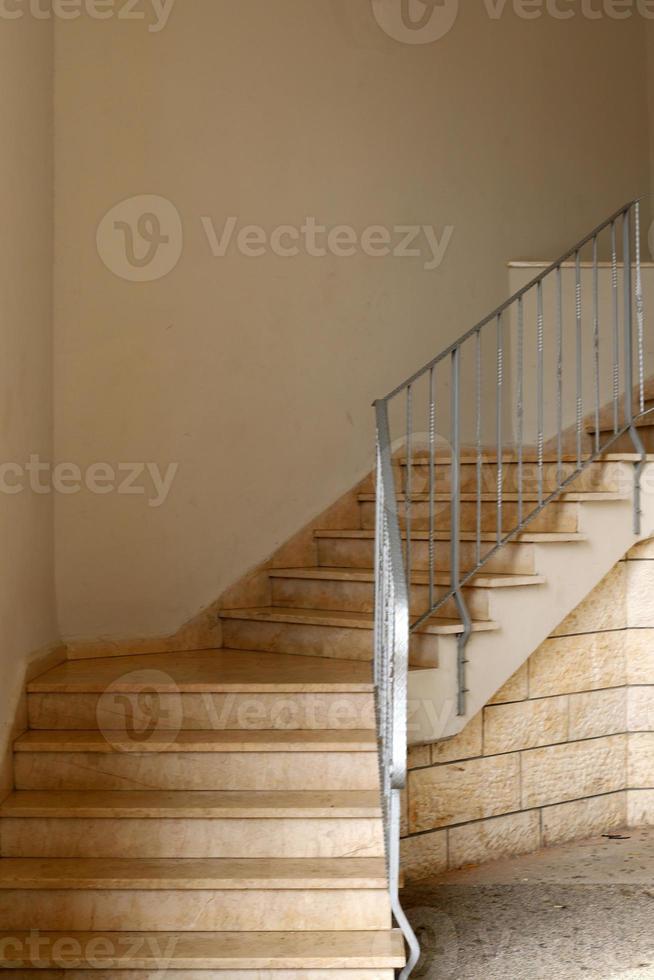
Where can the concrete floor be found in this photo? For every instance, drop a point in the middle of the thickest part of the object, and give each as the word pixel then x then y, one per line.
pixel 583 910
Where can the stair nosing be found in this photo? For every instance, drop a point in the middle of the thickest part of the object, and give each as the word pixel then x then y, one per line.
pixel 192 874
pixel 191 805
pixel 54 741
pixel 378 949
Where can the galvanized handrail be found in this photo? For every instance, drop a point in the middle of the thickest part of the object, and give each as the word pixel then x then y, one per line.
pixel 407 596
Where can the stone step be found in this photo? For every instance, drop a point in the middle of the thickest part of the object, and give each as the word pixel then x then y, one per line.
pixel 560 514
pixel 202 824
pixel 187 761
pixel 339 635
pixel 195 895
pixel 213 690
pixel 227 951
pixel 353 590
pixel 300 974
pixel 356 549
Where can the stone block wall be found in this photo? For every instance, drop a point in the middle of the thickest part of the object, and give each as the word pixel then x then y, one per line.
pixel 564 750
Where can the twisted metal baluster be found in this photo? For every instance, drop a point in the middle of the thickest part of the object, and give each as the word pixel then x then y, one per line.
pixel 541 389
pixel 640 311
pixel 521 406
pixel 616 330
pixel 559 377
pixel 432 505
pixel 579 393
pixel 596 345
pixel 499 420
pixel 478 446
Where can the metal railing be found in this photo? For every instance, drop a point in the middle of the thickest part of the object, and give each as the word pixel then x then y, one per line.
pixel 530 424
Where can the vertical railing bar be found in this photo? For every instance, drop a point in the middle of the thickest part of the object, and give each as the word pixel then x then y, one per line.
pixel 559 376
pixel 640 310
pixel 432 505
pixel 499 420
pixel 628 321
pixel 478 447
pixel 408 490
pixel 455 479
pixel 616 329
pixel 596 344
pixel 579 384
pixel 521 406
pixel 455 556
pixel 540 388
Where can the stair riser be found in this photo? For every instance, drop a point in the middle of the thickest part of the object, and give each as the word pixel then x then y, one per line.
pixel 196 771
pixel 202 975
pixel 209 712
pixel 517 559
pixel 195 911
pixel 360 597
pixel 556 517
pixel 191 838
pixel 340 643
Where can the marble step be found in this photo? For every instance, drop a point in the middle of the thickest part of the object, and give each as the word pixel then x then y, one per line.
pixel 339 635
pixel 231 952
pixel 356 549
pixel 561 514
pixel 608 474
pixel 300 974
pixel 353 590
pixel 197 895
pixel 191 874
pixel 201 824
pixel 599 476
pixel 212 690
pixel 243 761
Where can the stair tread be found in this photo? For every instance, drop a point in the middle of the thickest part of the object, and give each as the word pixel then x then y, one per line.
pixel 199 741
pixel 209 671
pixel 352 620
pixel 192 873
pixel 481 580
pixel 192 804
pixel 527 537
pixel 510 497
pixel 209 950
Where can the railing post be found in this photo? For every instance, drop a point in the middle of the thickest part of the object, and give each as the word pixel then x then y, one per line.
pixel 629 364
pixel 455 531
pixel 391 669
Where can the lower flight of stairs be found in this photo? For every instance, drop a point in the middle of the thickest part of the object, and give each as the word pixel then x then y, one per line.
pixel 239 835
pixel 218 814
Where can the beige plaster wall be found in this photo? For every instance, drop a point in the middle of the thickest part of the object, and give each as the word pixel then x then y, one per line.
pixel 256 375
pixel 27 603
pixel 565 750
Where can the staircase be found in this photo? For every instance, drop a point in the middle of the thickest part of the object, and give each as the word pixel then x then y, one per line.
pixel 221 813
pixel 228 845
